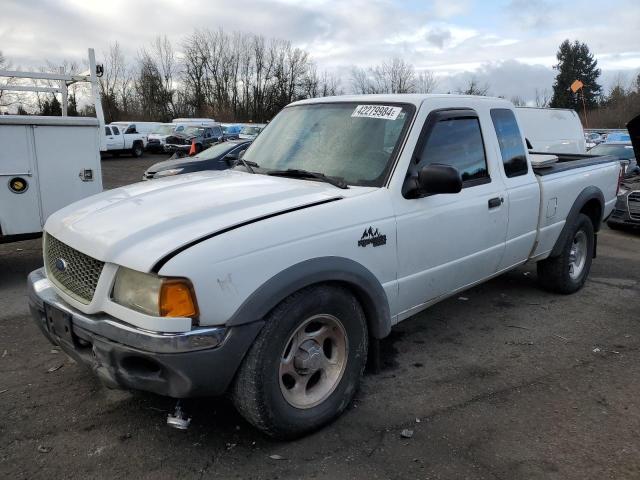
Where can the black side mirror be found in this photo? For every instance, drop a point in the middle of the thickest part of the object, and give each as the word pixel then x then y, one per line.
pixel 437 178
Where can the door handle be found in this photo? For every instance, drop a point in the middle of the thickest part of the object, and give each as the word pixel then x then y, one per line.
pixel 496 202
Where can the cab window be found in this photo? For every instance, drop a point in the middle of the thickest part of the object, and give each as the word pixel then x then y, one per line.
pixel 107 131
pixel 514 158
pixel 116 130
pixel 457 141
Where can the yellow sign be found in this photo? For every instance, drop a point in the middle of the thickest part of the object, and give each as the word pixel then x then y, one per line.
pixel 577 85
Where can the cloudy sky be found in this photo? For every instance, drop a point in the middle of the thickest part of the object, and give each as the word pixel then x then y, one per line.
pixel 509 44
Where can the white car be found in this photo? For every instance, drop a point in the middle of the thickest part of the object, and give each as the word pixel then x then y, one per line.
pixel 346 216
pixel 157 139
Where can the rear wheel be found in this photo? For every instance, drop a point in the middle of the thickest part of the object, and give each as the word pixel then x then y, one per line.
pixel 305 366
pixel 568 272
pixel 137 150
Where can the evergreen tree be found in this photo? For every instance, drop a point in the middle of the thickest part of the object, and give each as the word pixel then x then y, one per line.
pixel 576 62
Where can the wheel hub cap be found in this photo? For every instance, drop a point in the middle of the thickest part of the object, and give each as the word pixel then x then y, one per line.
pixel 313 361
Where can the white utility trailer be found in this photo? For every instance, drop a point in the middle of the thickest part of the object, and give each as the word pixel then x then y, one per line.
pixel 46 163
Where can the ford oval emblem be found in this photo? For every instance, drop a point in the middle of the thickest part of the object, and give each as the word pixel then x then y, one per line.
pixel 61 265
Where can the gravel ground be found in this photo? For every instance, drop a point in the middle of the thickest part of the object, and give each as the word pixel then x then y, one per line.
pixel 503 382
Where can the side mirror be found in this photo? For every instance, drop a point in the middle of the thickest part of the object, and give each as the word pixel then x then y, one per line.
pixel 437 178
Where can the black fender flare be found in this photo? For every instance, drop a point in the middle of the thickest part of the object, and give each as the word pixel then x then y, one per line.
pixel 363 284
pixel 588 194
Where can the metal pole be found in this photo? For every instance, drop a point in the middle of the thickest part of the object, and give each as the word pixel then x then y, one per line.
pixel 95 93
pixel 584 109
pixel 65 94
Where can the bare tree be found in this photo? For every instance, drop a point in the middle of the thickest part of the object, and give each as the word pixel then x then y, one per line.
pixel 473 87
pixel 518 101
pixel 543 98
pixel 7 98
pixel 425 82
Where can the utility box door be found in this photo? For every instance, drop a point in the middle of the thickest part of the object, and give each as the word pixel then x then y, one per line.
pixel 68 165
pixel 19 208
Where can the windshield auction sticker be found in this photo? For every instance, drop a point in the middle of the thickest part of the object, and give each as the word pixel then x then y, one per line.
pixel 384 112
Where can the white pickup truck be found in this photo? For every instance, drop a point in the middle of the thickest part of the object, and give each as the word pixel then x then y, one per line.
pixel 346 216
pixel 121 138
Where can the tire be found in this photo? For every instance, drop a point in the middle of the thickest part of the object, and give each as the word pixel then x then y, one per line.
pixel 290 404
pixel 137 150
pixel 567 273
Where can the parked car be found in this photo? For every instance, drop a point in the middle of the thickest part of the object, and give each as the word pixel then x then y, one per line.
pixel 346 216
pixel 195 122
pixel 202 137
pixel 157 139
pixel 592 139
pixel 119 141
pixel 622 151
pixel 554 130
pixel 618 137
pixel 251 131
pixel 231 130
pixel 218 157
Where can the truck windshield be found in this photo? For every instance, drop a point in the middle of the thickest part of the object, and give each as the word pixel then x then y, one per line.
pixel 164 130
pixel 350 141
pixel 194 130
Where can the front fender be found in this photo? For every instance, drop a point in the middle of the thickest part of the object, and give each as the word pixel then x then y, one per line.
pixel 364 285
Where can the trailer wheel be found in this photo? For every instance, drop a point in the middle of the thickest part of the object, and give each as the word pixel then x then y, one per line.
pixel 137 150
pixel 305 366
pixel 568 272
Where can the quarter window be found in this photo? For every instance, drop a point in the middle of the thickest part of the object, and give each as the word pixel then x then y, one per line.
pixel 514 158
pixel 457 142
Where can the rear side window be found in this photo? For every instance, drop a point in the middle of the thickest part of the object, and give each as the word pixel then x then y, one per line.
pixel 514 158
pixel 457 142
pixel 116 131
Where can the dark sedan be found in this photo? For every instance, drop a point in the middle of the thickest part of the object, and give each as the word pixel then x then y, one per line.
pixel 218 157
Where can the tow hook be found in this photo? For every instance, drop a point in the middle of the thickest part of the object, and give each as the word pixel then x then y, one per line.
pixel 179 419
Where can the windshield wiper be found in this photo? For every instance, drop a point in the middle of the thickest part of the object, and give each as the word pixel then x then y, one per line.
pixel 248 164
pixel 299 173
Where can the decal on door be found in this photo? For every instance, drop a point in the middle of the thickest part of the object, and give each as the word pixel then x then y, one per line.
pixel 372 237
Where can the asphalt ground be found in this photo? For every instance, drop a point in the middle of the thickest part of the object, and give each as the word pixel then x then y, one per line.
pixel 505 381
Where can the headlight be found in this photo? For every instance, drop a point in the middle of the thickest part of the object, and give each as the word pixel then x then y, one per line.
pixel 168 173
pixel 153 295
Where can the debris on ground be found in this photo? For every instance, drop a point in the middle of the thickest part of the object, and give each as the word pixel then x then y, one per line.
pixel 4 391
pixel 53 369
pixel 276 457
pixel 43 449
pixel 230 446
pixel 464 299
pixel 518 326
pixel 596 350
pixel 561 337
pixel 417 420
pixel 406 433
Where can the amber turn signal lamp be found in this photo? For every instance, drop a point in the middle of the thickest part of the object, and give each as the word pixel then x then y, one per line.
pixel 177 299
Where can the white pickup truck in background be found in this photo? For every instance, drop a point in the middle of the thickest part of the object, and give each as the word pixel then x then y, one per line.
pixel 346 216
pixel 120 142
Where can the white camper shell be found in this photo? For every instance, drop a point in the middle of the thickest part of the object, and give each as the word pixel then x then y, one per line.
pixel 553 130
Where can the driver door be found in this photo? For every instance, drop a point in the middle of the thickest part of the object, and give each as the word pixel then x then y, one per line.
pixel 449 241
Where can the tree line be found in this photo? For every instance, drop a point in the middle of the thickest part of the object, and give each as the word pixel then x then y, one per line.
pixel 247 77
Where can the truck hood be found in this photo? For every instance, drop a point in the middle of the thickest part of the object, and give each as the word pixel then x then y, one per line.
pixel 138 225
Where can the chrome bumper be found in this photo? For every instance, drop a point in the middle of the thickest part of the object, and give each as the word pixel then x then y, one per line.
pixel 41 292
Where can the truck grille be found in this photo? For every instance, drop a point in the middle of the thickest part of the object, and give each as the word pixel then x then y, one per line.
pixel 633 202
pixel 73 272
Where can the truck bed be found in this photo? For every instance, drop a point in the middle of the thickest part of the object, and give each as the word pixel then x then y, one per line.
pixel 570 161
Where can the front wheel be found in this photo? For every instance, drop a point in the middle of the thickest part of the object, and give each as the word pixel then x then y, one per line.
pixel 305 366
pixel 568 272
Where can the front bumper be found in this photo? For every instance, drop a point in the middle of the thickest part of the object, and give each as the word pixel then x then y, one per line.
pixel 170 148
pixel 200 362
pixel 621 215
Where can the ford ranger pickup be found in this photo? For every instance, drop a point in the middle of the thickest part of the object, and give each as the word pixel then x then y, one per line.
pixel 269 281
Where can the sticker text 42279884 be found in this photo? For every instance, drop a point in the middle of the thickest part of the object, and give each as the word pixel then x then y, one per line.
pixel 385 112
